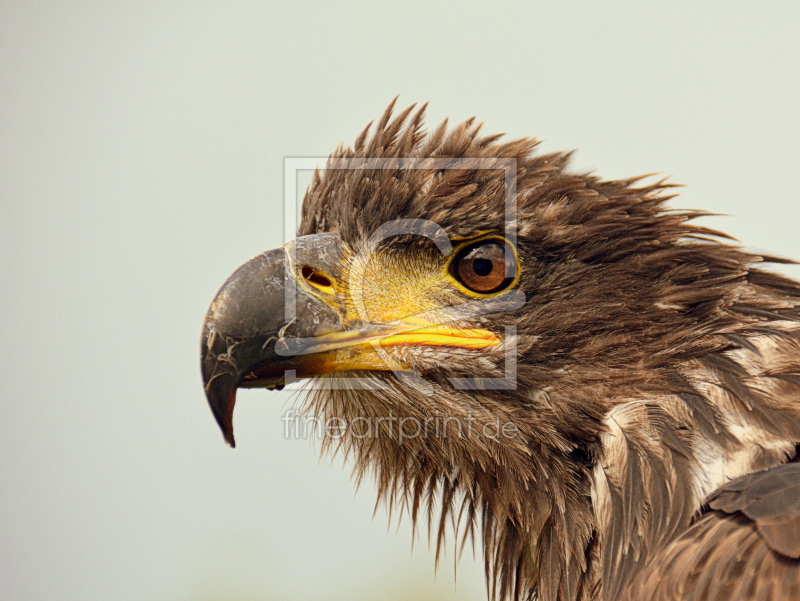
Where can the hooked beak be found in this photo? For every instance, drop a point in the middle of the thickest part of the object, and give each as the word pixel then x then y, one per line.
pixel 264 328
pixel 248 318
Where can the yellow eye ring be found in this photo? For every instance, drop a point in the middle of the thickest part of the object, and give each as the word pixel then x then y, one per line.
pixel 484 267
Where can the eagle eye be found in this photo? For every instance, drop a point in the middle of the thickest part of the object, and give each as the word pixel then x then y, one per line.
pixel 485 267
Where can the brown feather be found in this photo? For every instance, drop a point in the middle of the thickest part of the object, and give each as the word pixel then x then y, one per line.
pixel 747 547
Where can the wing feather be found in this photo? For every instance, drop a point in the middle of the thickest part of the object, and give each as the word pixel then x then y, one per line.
pixel 746 547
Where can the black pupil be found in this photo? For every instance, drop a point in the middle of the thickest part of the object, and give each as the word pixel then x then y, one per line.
pixel 482 267
pixel 485 267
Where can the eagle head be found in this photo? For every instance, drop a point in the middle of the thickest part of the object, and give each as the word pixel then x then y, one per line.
pixel 481 326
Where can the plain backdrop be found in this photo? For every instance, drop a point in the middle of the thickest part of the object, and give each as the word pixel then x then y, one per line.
pixel 141 161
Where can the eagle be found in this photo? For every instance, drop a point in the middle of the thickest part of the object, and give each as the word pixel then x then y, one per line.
pixel 599 393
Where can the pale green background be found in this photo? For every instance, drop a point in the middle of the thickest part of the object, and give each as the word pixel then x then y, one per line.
pixel 142 148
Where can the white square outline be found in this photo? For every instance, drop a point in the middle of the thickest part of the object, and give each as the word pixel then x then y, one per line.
pixel 293 165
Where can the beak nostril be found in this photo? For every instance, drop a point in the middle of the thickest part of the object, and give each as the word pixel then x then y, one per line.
pixel 315 278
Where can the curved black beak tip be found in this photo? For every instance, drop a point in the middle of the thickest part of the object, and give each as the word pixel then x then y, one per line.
pixel 221 394
pixel 236 327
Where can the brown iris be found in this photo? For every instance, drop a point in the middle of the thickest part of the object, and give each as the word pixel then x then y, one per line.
pixel 485 267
